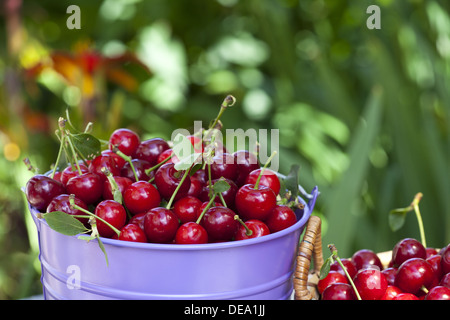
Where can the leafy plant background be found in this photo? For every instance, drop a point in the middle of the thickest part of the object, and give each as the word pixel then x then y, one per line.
pixel 363 112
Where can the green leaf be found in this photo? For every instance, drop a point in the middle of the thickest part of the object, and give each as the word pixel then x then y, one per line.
pixel 86 145
pixel 220 186
pixel 396 218
pixel 325 269
pixel 64 223
pixel 291 181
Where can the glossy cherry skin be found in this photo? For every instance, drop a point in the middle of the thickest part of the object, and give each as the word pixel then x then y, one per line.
pixel 166 154
pixel 229 196
pixel 167 178
pixel 118 160
pixel 104 161
pixel 138 219
pixel 413 274
pixel 438 293
pixel 257 228
pixel 88 187
pixel 406 249
pixel 40 190
pixel 139 166
pixel 280 218
pixel 160 225
pixel 366 258
pixel 445 280
pixel 268 179
pixel 223 165
pixel 62 203
pixel 149 150
pixel 113 213
pixel 186 209
pixel 405 296
pixel 132 232
pixel 70 172
pixel 391 293
pixel 255 203
pixel 332 277
pixel 390 274
pixel 191 233
pixel 445 262
pixel 141 196
pixel 370 283
pixel 122 184
pixel 125 140
pixel 435 264
pixel 220 224
pixel 348 264
pixel 339 291
pixel 198 181
pixel 246 162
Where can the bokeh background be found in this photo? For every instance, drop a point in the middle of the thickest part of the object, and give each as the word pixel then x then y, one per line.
pixel 365 113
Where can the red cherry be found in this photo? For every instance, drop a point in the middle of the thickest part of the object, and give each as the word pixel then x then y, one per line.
pixel 138 219
pixel 197 143
pixel 186 209
pixel 257 228
pixel 40 190
pixel 167 179
pixel 413 274
pixel 88 187
pixel 268 179
pixel 339 291
pixel 390 274
pixel 348 264
pixel 246 162
pixel 406 249
pixel 280 218
pixel 166 154
pixel 220 224
pixel 140 197
pixel 445 262
pixel 122 184
pixel 255 203
pixel 391 293
pixel 132 232
pixel 365 258
pixel 431 252
pixel 438 293
pixel 223 165
pixel 149 150
pixel 119 161
pixel 125 140
pixel 198 180
pixel 332 277
pixel 405 296
pixel 104 161
pixel 370 283
pixel 139 166
pixel 191 233
pixel 71 172
pixel 435 263
pixel 445 281
pixel 113 213
pixel 160 225
pixel 62 203
pixel 229 196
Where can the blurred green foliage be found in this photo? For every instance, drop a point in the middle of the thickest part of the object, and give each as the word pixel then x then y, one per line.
pixel 365 113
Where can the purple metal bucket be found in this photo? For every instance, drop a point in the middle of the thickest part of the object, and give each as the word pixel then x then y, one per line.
pixel 254 269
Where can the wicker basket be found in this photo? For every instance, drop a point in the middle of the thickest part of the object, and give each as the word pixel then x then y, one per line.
pixel 310 250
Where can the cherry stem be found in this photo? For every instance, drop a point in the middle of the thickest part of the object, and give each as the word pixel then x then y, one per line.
pixel 74 206
pixel 248 232
pixel 127 159
pixel 264 168
pixel 227 102
pixel 30 166
pixel 334 253
pixel 205 209
pixel 61 147
pixel 117 195
pixel 415 205
pixel 186 173
pixel 147 172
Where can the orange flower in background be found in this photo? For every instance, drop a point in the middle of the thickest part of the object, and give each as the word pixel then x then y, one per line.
pixel 85 66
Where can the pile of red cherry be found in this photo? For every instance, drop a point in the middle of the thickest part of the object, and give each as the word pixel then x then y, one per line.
pixel 194 214
pixel 413 273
